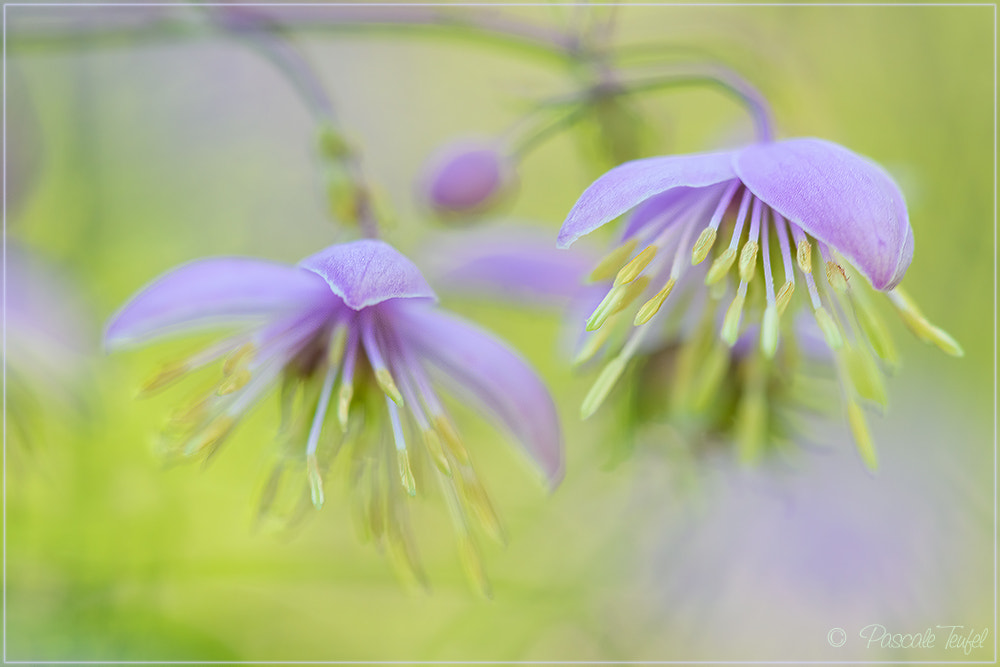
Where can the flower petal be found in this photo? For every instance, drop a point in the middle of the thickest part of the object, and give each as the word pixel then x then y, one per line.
pixel 516 264
pixel 836 196
pixel 213 291
pixel 366 272
pixel 630 184
pixel 499 379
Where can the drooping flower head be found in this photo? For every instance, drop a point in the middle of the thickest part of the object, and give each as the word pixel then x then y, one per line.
pixel 353 337
pixel 798 206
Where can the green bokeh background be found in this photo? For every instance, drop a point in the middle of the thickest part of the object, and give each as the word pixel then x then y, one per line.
pixel 151 152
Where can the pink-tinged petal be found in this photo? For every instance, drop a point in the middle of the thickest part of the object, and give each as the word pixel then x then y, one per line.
pixel 630 184
pixel 364 273
pixel 214 291
pixel 838 197
pixel 498 379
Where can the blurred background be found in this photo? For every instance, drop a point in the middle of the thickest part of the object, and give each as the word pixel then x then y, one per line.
pixel 156 138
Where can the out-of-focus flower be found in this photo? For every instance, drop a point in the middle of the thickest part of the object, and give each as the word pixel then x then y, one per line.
pixel 762 565
pixel 466 178
pixel 46 339
pixel 842 214
pixel 352 331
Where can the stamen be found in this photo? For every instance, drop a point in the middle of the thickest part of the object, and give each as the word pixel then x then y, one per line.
pixel 652 306
pixel 605 308
pixel 873 327
pixel 234 381
pixel 321 406
pixel 731 324
pixel 748 257
pixel 433 445
pixel 609 375
pixel 769 325
pixel 213 435
pixel 829 328
pixel 780 225
pixel 703 245
pixel 385 381
pixel 593 343
pixel 720 266
pixel 707 237
pixel 451 438
pixel 724 261
pixel 609 266
pixel 769 331
pixel 784 296
pixel 836 276
pixel 346 391
pixel 402 458
pixel 382 375
pixel 864 374
pixel 315 481
pixel 862 437
pixel 167 374
pixel 804 256
pixel 476 498
pixel 631 271
pixel 238 358
pixel 748 261
pixel 920 326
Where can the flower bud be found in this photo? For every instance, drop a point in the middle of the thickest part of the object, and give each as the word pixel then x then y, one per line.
pixel 466 177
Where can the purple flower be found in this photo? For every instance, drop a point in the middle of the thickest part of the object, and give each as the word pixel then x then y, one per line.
pixel 466 177
pixel 355 331
pixel 809 204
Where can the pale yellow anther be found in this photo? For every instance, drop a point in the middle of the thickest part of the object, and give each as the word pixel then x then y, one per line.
pixel 212 436
pixel 633 291
pixel 875 330
pixel 803 255
pixel 602 386
pixel 703 245
pixel 731 324
pixel 631 271
pixel 609 266
pixel 836 276
pixel 748 261
pixel 433 445
pixel 862 437
pixel 344 396
pixel 593 343
pixel 864 374
pixel 234 381
pixel 609 304
pixel 920 326
pixel 189 415
pixel 784 296
pixel 720 266
pixel 769 331
pixel 451 438
pixel 829 328
pixel 315 481
pixel 652 306
pixel 238 358
pixel 164 377
pixel 477 500
pixel 384 379
pixel 405 472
